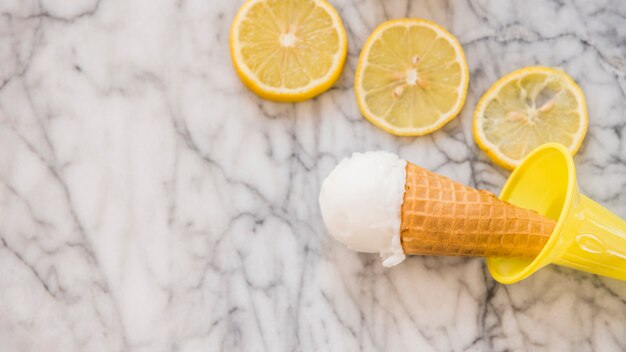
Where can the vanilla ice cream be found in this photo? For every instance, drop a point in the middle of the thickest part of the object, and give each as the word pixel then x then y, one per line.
pixel 361 201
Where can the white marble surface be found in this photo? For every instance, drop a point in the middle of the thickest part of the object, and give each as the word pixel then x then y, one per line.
pixel 149 202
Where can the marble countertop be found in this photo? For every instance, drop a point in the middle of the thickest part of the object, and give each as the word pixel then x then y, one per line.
pixel 149 202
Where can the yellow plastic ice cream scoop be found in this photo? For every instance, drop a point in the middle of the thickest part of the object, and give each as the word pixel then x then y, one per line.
pixel 586 237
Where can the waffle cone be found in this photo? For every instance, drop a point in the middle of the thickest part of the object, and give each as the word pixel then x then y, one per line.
pixel 443 217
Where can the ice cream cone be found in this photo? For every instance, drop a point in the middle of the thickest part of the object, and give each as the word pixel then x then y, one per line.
pixel 375 202
pixel 443 217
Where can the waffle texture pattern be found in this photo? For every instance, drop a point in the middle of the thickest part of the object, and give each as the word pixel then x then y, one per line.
pixel 443 217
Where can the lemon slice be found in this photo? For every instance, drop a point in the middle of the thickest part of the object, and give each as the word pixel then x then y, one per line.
pixel 411 78
pixel 288 50
pixel 527 108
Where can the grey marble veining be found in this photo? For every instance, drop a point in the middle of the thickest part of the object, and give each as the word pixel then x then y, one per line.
pixel 149 202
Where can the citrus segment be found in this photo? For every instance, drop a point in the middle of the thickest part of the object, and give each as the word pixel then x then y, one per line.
pixel 288 50
pixel 526 109
pixel 411 78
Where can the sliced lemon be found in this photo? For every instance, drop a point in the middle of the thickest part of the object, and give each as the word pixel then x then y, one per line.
pixel 527 108
pixel 411 78
pixel 288 50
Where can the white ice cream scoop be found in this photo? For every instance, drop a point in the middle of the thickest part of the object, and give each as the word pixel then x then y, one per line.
pixel 361 200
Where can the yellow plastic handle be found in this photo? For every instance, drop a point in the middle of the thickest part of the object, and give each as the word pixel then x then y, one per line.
pixel 599 243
